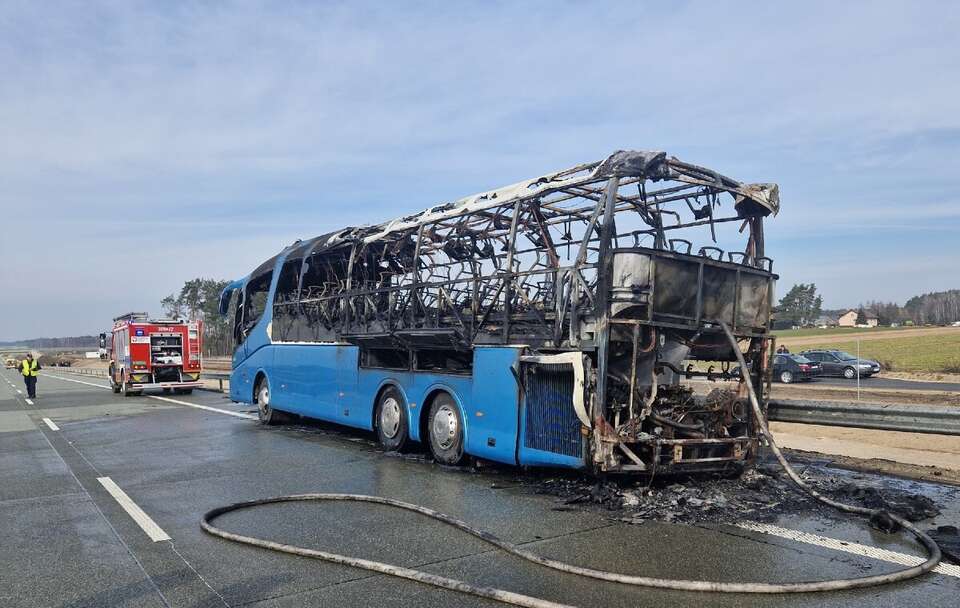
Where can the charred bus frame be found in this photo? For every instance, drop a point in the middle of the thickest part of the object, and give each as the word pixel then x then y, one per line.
pixel 592 273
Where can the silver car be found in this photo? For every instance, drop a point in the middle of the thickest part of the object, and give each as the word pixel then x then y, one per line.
pixel 840 363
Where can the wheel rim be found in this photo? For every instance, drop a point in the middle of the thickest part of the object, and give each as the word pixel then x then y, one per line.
pixel 445 427
pixel 849 373
pixel 786 377
pixel 390 417
pixel 263 399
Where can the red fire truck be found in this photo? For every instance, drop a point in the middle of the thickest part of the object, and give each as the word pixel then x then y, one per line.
pixel 151 353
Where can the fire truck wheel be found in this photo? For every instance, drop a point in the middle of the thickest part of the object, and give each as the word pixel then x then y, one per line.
pixel 445 430
pixel 127 392
pixel 265 412
pixel 391 420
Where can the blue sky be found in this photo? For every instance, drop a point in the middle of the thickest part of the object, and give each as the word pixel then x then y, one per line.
pixel 143 144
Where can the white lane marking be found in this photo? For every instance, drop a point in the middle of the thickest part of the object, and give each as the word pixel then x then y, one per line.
pixel 177 401
pixel 143 520
pixel 205 407
pixel 51 424
pixel 19 392
pixel 78 381
pixel 29 402
pixel 847 547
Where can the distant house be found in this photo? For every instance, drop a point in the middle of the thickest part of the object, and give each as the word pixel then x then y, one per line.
pixel 849 319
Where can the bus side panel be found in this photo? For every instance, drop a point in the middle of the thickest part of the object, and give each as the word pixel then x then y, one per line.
pixel 305 379
pixel 244 375
pixel 359 411
pixel 494 407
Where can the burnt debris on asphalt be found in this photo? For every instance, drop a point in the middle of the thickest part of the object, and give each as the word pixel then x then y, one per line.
pixel 760 494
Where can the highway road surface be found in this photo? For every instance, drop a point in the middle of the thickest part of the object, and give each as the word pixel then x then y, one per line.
pixel 101 498
pixel 887 383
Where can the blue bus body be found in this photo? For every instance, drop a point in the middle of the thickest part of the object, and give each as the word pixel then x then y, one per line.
pixel 326 382
pixel 546 323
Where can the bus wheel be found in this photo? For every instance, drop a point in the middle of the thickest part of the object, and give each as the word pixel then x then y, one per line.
pixel 446 430
pixel 265 412
pixel 392 420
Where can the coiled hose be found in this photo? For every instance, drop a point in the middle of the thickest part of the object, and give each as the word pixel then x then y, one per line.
pixel 516 599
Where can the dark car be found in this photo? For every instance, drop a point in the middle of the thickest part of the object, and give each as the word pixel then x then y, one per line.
pixel 789 368
pixel 840 363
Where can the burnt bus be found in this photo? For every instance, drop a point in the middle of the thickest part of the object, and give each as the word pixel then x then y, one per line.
pixel 553 322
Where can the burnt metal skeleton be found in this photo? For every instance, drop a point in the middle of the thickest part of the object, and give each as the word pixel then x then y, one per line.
pixel 593 272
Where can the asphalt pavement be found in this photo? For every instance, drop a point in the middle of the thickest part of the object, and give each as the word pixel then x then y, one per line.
pixel 888 383
pixel 68 541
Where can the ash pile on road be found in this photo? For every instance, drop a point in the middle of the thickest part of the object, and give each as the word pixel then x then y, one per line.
pixel 760 494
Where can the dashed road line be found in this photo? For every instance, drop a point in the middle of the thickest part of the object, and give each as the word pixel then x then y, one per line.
pixel 886 555
pixel 29 401
pixel 169 400
pixel 50 423
pixel 143 520
pixel 204 407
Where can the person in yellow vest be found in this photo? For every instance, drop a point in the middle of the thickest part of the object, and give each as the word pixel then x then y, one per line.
pixel 29 368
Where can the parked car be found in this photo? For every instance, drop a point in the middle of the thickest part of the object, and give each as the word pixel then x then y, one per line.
pixel 789 368
pixel 840 363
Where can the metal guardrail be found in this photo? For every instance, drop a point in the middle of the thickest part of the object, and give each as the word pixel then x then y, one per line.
pixel 220 377
pixel 943 420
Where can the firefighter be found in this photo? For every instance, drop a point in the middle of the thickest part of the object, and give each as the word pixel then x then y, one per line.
pixel 29 368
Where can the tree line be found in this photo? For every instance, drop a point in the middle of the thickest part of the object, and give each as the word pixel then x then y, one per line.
pixel 802 306
pixel 89 342
pixel 937 308
pixel 199 299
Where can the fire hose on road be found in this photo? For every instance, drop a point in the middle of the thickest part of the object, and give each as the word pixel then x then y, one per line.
pixel 516 599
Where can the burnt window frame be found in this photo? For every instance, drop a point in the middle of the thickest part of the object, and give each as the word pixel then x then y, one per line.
pixel 246 325
pixel 426 352
pixel 365 353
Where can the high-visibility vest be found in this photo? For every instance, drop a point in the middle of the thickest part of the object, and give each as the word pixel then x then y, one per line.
pixel 30 367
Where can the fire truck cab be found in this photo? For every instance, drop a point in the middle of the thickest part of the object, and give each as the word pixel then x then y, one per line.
pixel 150 353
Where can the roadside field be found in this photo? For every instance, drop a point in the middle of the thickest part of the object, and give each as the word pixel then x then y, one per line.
pixel 835 331
pixel 930 351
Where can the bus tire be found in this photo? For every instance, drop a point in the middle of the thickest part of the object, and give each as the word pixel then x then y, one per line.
pixel 265 412
pixel 391 420
pixel 445 430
